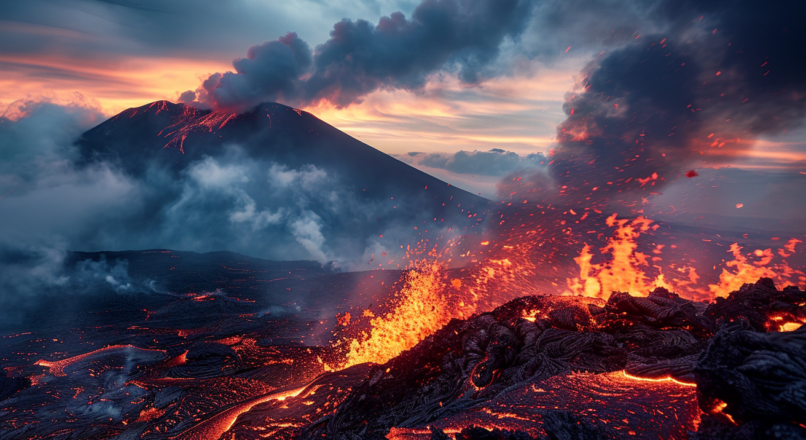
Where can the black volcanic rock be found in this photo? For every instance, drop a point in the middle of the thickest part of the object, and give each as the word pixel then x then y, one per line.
pixel 759 379
pixel 469 364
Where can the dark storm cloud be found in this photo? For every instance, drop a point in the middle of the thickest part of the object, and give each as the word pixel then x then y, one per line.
pixel 496 162
pixel 359 57
pixel 584 26
pixel 721 74
pixel 190 28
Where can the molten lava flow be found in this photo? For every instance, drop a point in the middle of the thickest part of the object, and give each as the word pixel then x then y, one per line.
pixel 57 367
pixel 640 409
pixel 421 309
pixel 212 428
pixel 662 379
pixel 189 123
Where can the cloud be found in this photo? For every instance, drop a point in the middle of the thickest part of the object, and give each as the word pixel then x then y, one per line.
pixel 720 75
pixel 359 58
pixel 270 72
pixel 32 276
pixel 496 162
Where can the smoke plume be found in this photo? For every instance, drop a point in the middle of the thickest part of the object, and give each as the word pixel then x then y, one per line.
pixel 697 94
pixel 359 58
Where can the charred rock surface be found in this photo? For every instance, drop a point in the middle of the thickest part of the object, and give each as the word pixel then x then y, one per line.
pixel 537 367
pixel 470 363
pixel 757 379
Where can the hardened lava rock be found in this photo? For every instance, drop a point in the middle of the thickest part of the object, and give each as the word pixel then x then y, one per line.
pixel 758 379
pixel 762 305
pixel 559 425
pixel 761 376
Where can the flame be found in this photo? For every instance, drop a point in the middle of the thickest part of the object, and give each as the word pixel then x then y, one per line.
pixel 628 270
pixel 745 272
pixel 429 299
pixel 421 310
pixel 623 273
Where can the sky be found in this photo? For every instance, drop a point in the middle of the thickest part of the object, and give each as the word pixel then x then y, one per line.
pixel 476 92
pixel 122 54
pixel 678 110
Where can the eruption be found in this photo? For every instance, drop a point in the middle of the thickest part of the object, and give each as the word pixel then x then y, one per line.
pixel 568 312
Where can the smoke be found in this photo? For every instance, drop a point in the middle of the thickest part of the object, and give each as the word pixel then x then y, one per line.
pixel 33 277
pixel 399 53
pixel 698 94
pixel 52 201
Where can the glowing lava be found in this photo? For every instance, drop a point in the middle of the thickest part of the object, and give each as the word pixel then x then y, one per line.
pixel 213 427
pixel 57 367
pixel 421 310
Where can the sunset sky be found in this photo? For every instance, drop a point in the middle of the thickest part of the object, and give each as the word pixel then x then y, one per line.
pixel 117 54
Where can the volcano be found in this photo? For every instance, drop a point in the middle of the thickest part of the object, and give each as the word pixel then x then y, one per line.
pixel 524 329
pixel 178 134
pixel 351 190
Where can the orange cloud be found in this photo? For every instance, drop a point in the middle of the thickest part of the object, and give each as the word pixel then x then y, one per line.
pixel 115 85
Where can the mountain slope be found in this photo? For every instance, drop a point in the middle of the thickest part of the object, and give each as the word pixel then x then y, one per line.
pixel 280 175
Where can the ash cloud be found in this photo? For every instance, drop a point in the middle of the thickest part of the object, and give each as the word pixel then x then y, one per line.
pixel 699 93
pixel 400 53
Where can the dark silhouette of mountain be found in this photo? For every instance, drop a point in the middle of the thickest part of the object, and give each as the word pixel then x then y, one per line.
pixel 365 193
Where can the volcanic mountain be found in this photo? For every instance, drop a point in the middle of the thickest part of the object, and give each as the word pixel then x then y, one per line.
pixel 275 175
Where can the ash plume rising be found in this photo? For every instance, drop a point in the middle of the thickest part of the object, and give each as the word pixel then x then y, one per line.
pixel 698 94
pixel 360 58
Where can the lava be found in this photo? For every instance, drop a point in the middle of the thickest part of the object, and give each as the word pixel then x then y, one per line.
pixel 421 309
pixel 57 367
pixel 213 427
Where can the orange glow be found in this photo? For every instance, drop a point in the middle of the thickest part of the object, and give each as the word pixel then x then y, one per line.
pixel 428 300
pixel 57 367
pixel 791 326
pixel 745 271
pixel 114 84
pixel 662 379
pixel 623 273
pixel 627 269
pixel 214 427
pixel 384 118
pixel 421 309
